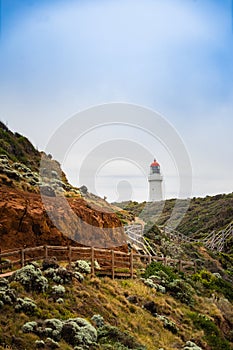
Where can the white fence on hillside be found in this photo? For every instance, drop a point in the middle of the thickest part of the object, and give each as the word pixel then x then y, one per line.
pixel 215 241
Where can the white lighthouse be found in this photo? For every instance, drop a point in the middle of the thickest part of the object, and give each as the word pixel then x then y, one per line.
pixel 155 182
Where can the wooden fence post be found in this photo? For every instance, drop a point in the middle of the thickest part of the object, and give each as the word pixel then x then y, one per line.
pixel 22 258
pixel 0 259
pixel 91 253
pixel 92 261
pixel 70 254
pixel 149 259
pixel 113 265
pixel 131 264
pixel 46 251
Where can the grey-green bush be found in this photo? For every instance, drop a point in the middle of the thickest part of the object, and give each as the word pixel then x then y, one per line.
pixel 78 331
pixel 75 331
pixel 59 275
pixel 31 278
pixel 58 291
pixel 98 320
pixel 25 305
pixel 168 324
pixel 7 295
pixel 82 266
pixel 191 346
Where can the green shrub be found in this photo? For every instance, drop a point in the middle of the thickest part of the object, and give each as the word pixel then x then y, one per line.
pixel 181 291
pixel 75 331
pixel 224 287
pixel 160 277
pixel 40 344
pixel 53 327
pixel 82 266
pixel 163 278
pixel 7 294
pixel 58 291
pixel 50 262
pixel 226 260
pixel 191 346
pixel 212 334
pixel 31 278
pixel 78 331
pixel 150 283
pixel 78 276
pixel 213 282
pixel 59 275
pixel 25 305
pixel 4 284
pixel 168 324
pixel 29 327
pixel 98 320
pixel 156 267
pixel 118 340
pixel 51 344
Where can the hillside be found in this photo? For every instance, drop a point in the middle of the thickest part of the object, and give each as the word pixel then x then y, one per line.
pixel 46 305
pixel 203 216
pixel 37 202
pixel 18 148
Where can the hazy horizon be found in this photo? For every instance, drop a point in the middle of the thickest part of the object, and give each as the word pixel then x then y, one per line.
pixel 60 57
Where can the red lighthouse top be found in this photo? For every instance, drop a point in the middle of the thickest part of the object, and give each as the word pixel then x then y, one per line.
pixel 155 163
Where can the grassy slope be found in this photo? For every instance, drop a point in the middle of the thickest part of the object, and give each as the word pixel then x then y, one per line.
pixel 108 298
pixel 18 148
pixel 203 215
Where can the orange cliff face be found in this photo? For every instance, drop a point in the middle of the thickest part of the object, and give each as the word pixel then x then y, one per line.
pixel 25 222
pixel 27 219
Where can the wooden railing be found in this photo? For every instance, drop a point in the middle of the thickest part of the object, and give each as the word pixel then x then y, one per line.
pixel 214 241
pixel 112 262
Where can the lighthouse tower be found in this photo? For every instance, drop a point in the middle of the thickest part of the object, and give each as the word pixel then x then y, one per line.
pixel 155 182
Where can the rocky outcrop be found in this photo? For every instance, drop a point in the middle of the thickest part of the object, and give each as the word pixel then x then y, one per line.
pixel 25 221
pixel 38 206
pixel 49 179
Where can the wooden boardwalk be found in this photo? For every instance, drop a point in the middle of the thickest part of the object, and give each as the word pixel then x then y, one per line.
pixel 215 241
pixel 113 263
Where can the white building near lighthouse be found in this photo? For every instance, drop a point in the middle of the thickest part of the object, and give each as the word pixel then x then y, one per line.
pixel 155 182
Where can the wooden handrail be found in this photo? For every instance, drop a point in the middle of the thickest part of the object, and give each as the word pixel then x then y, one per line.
pixel 114 261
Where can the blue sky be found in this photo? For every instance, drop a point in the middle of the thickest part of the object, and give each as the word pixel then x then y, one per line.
pixel 58 57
